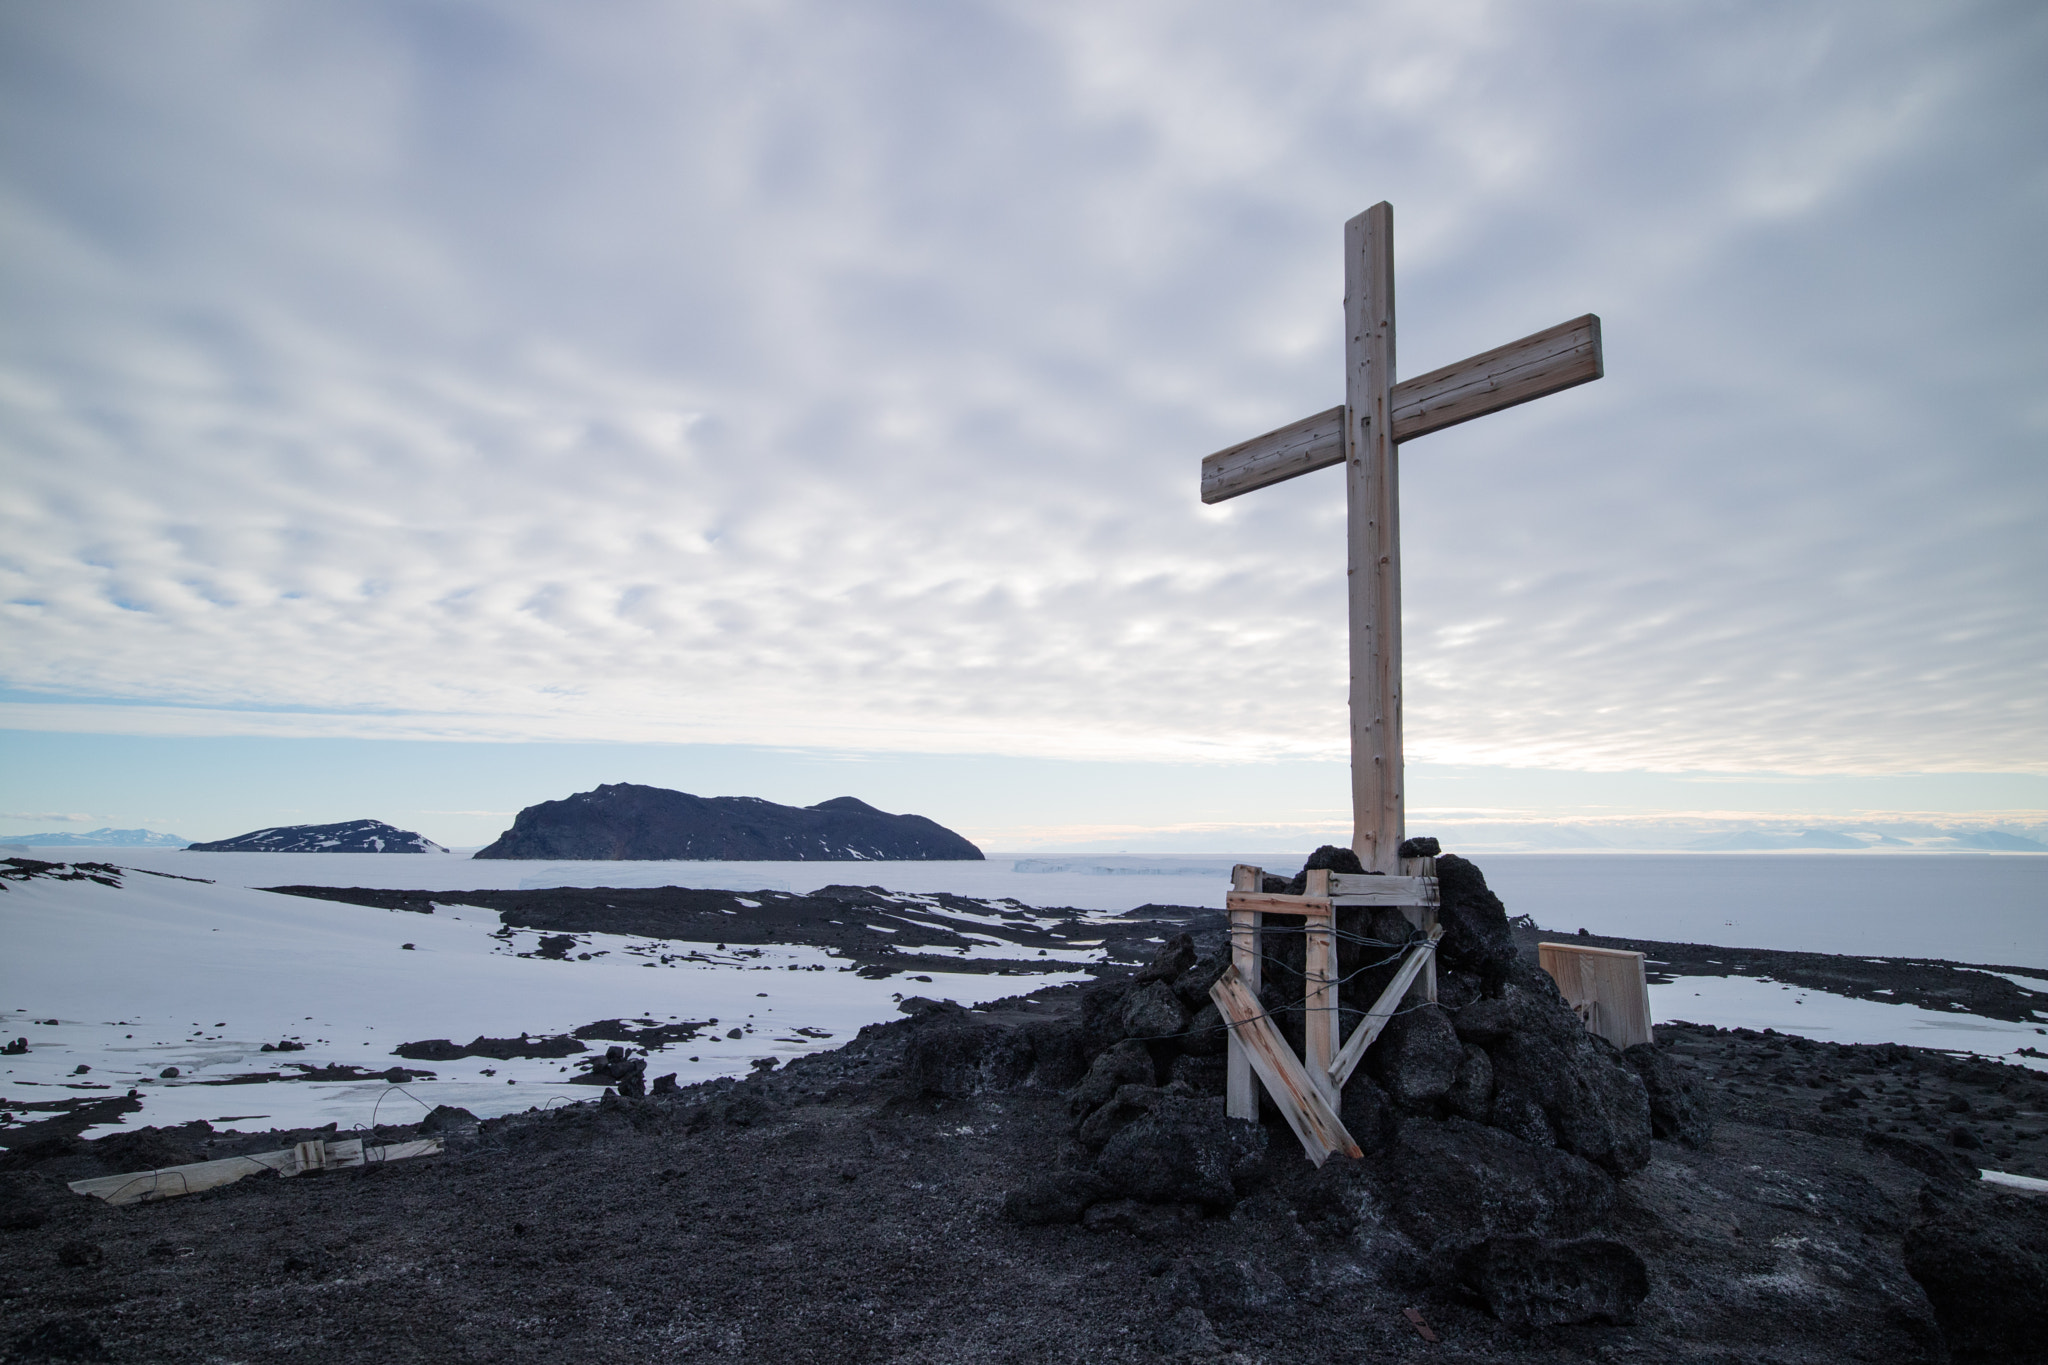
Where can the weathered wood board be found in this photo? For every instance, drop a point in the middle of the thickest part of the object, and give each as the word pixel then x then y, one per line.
pixel 1351 889
pixel 1547 362
pixel 169 1182
pixel 1299 1099
pixel 1606 987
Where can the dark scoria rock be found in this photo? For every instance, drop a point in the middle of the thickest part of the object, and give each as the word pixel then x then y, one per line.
pixel 1678 1108
pixel 1185 1151
pixel 1457 1183
pixel 1477 937
pixel 1534 1282
pixel 624 821
pixel 350 836
pixel 1554 1081
pixel 1417 1057
pixel 1983 1261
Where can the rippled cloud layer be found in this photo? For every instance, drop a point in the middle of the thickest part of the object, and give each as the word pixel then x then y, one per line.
pixel 837 375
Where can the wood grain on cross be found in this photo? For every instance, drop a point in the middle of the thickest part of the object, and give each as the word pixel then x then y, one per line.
pixel 1361 434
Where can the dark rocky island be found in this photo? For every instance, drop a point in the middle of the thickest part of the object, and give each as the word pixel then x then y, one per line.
pixel 625 822
pixel 350 836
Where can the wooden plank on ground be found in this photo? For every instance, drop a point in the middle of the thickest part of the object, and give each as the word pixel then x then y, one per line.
pixel 1299 1099
pixel 1383 1010
pixel 140 1187
pixel 1606 987
pixel 1354 889
pixel 1547 362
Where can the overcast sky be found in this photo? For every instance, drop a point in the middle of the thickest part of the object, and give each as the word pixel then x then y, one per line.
pixel 835 377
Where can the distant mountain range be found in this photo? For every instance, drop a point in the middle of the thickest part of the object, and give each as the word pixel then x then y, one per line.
pixel 350 836
pixel 99 838
pixel 627 822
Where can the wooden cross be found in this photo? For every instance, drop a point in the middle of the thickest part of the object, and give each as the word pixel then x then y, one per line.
pixel 1376 416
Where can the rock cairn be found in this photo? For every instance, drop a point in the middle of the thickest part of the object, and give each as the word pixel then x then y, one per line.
pixel 1495 1127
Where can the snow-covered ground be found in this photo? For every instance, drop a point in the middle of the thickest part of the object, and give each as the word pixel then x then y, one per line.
pixel 1749 1002
pixel 159 973
pixel 165 973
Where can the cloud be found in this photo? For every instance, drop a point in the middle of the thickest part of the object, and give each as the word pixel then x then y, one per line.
pixel 46 817
pixel 838 377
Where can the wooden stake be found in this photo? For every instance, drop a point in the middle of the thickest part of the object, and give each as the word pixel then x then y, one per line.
pixel 1240 1090
pixel 1373 492
pixel 1319 972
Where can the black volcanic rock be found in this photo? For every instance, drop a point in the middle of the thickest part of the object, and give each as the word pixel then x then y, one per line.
pixel 350 836
pixel 621 821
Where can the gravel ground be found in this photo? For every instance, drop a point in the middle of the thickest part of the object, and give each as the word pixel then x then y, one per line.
pixel 829 1212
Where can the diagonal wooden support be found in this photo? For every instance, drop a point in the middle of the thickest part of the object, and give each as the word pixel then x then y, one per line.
pixel 1382 1010
pixel 1299 1099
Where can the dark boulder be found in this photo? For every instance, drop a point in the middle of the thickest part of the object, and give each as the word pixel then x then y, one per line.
pixel 1423 846
pixel 1192 985
pixel 1476 934
pixel 1329 857
pixel 1202 1075
pixel 1471 1092
pixel 952 1055
pixel 1055 1197
pixel 1456 1183
pixel 1128 1063
pixel 1102 1015
pixel 1417 1057
pixel 1205 1036
pixel 1184 1151
pixel 1554 1081
pixel 1126 1107
pixel 1153 1011
pixel 620 1069
pixel 1983 1260
pixel 447 1118
pixel 1174 956
pixel 1367 1113
pixel 623 820
pixel 1536 1282
pixel 1678 1107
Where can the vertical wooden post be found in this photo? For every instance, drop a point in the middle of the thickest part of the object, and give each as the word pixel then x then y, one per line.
pixel 1319 1000
pixel 1425 918
pixel 1371 480
pixel 1240 1087
pixel 1319 992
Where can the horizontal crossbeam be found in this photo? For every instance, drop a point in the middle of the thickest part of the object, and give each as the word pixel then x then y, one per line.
pixel 1546 362
pixel 1352 889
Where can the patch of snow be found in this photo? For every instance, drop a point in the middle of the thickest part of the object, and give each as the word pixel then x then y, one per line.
pixel 1745 1002
pixel 334 977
